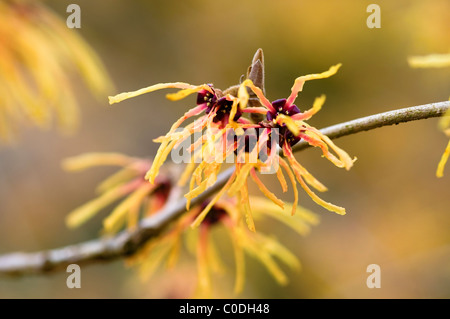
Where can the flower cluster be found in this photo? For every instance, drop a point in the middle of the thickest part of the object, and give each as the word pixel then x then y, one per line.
pixel 238 123
pixel 222 112
pixel 37 54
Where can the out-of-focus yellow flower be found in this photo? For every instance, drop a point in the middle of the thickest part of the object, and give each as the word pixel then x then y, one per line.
pixel 38 53
pixel 436 61
pixel 224 213
pixel 139 198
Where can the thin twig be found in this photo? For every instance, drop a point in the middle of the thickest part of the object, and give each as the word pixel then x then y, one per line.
pixel 126 243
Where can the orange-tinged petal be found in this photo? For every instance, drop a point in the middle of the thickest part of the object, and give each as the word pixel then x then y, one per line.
pixel 265 191
pixel 259 93
pixel 300 171
pixel 300 81
pixel 345 159
pixel 318 200
pixel 282 180
pixel 188 91
pixel 161 155
pixel 318 103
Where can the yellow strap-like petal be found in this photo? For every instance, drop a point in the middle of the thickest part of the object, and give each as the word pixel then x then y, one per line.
pixel 300 81
pixel 318 103
pixel 318 200
pixel 293 182
pixel 265 190
pixel 127 95
pixel 213 201
pixel 259 93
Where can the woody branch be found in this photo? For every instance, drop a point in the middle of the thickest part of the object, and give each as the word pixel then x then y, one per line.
pixel 126 243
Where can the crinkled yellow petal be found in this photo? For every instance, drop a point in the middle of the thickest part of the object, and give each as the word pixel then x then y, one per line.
pixel 259 93
pixel 293 182
pixel 208 182
pixel 344 158
pixel 315 141
pixel 318 200
pixel 443 161
pixel 282 180
pixel 430 61
pixel 265 191
pixel 243 96
pixel 318 103
pixel 188 91
pixel 300 81
pixel 300 171
pixel 161 155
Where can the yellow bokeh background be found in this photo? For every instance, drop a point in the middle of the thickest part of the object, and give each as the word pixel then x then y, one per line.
pixel 397 210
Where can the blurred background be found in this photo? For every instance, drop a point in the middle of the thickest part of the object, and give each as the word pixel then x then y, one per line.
pixel 397 210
